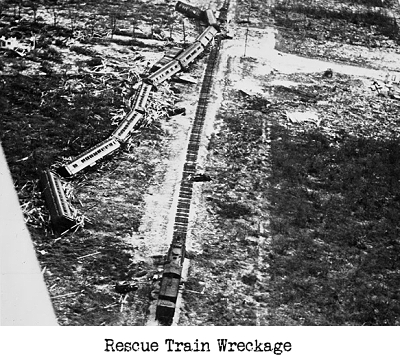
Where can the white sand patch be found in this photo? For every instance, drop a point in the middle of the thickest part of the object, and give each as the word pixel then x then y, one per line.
pixel 260 46
pixel 299 117
pixel 155 231
pixel 285 83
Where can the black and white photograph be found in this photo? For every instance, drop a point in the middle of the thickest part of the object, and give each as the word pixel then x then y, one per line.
pixel 200 163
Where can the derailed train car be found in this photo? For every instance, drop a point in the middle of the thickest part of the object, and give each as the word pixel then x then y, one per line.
pixel 194 12
pixel 127 125
pixel 210 18
pixel 120 135
pixel 56 201
pixel 190 54
pixel 183 59
pixel 168 57
pixel 139 103
pixel 189 10
pixel 90 157
pixel 164 73
pixel 207 35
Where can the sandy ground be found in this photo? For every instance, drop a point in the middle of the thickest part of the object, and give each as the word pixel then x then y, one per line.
pixel 156 228
pixel 261 43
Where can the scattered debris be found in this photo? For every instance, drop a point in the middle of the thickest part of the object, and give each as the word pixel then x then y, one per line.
pixel 386 89
pixel 64 295
pixel 307 116
pixel 123 287
pixel 184 78
pixel 89 255
pixel 141 273
pixel 21 47
pixel 177 111
pixel 328 73
pixel 200 178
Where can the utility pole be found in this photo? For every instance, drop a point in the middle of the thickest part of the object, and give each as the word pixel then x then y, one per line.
pixel 184 31
pixel 245 44
pixel 247 30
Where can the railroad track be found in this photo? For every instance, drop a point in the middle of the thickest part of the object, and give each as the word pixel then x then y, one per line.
pixel 189 168
pixel 170 284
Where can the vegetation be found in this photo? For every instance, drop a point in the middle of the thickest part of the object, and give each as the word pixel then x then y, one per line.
pixel 330 201
pixel 333 217
pixel 337 23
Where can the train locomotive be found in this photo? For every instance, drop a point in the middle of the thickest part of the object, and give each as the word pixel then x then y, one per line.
pixel 170 282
